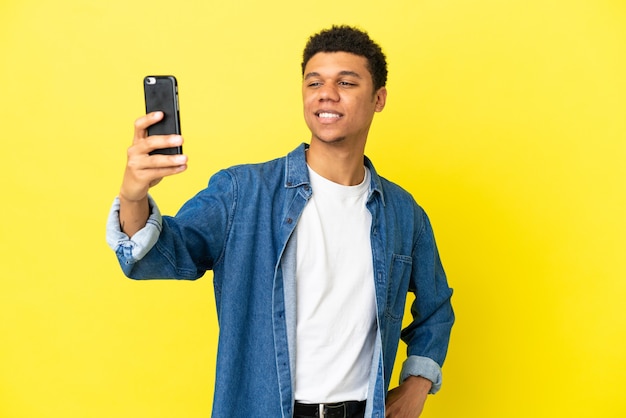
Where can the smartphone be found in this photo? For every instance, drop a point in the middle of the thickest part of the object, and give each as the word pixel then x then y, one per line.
pixel 161 93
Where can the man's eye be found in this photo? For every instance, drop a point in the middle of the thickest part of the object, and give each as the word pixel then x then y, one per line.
pixel 315 84
pixel 346 84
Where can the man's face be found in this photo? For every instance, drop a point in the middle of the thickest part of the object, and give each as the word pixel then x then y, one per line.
pixel 339 98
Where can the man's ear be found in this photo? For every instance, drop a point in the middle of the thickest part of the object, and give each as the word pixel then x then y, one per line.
pixel 381 98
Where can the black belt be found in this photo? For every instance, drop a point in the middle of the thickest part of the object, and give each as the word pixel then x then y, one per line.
pixel 330 410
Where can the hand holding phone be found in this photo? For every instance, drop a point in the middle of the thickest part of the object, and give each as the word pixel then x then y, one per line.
pixel 161 94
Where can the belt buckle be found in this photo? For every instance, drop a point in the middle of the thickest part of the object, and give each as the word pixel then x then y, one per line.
pixel 323 412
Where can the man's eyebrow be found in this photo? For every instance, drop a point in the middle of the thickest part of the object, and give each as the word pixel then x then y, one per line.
pixel 350 73
pixel 341 73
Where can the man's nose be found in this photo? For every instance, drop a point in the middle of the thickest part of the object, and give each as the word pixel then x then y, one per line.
pixel 329 92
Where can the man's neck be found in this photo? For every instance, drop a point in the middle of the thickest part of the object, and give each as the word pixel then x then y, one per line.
pixel 336 162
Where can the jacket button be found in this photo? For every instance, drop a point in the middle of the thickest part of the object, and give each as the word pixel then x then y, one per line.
pixel 289 220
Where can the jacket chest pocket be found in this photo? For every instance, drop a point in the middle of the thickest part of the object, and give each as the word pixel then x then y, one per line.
pixel 397 285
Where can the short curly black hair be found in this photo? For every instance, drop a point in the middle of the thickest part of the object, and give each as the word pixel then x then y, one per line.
pixel 345 38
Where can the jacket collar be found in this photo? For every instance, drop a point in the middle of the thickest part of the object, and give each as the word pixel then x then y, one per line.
pixel 297 174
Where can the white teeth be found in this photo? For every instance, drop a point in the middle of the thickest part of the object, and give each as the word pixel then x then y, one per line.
pixel 328 115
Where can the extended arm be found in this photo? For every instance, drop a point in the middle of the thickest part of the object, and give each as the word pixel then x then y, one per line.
pixel 144 171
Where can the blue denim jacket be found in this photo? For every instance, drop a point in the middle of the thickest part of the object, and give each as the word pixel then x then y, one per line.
pixel 242 226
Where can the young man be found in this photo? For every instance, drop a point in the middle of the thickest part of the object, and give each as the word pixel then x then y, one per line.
pixel 313 255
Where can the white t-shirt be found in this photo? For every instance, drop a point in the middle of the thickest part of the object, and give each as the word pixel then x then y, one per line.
pixel 336 308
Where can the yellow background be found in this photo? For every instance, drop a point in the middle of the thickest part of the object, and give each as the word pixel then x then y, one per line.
pixel 505 119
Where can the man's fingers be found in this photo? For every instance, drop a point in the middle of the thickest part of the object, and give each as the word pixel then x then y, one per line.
pixel 146 145
pixel 155 142
pixel 157 174
pixel 165 161
pixel 156 162
pixel 145 171
pixel 142 124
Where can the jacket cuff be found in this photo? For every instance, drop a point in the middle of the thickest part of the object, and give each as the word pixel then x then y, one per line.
pixel 423 367
pixel 135 248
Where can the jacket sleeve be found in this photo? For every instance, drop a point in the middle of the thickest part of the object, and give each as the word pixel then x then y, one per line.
pixel 428 335
pixel 180 247
pixel 132 250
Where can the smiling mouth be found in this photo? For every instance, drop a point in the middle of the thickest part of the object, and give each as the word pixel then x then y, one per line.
pixel 328 115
